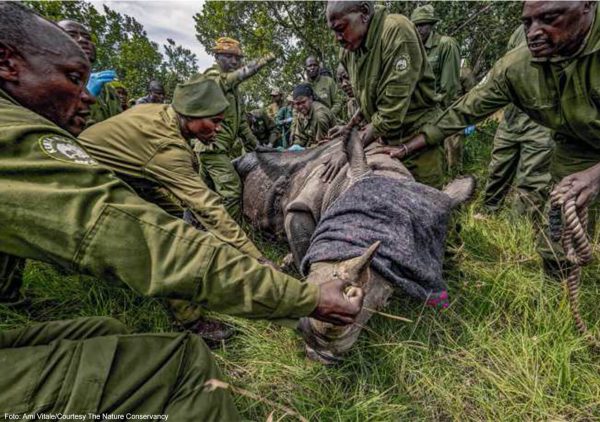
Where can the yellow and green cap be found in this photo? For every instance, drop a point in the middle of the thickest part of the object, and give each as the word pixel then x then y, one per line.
pixel 199 97
pixel 423 14
pixel 227 45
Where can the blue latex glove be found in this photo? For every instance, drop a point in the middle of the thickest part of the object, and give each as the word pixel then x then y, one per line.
pixel 98 79
pixel 469 130
pixel 279 149
pixel 296 148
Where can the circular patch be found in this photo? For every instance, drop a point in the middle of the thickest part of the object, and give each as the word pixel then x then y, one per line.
pixel 64 149
pixel 402 63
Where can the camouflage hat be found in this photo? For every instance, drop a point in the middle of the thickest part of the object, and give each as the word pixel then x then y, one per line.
pixel 423 14
pixel 228 46
pixel 116 85
pixel 275 91
pixel 199 97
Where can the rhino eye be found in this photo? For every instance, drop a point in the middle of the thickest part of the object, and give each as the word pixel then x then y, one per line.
pixel 335 273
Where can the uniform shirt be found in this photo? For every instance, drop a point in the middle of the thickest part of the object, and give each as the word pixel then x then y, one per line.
pixel 272 110
pixel 234 124
pixel 391 78
pixel 326 92
pixel 144 147
pixel 443 55
pixel 309 130
pixel 107 104
pixel 562 93
pixel 263 128
pixel 283 121
pixel 58 205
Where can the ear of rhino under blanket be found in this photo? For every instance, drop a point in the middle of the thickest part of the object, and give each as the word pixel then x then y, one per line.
pixel 410 220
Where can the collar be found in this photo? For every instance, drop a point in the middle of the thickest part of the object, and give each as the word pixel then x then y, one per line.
pixel 375 29
pixel 433 40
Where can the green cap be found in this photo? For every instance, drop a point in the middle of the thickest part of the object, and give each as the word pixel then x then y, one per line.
pixel 199 97
pixel 423 14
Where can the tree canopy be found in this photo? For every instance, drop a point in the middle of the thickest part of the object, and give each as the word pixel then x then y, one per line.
pixel 295 30
pixel 123 45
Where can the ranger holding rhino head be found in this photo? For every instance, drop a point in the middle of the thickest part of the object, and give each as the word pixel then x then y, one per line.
pixel 215 159
pixel 59 205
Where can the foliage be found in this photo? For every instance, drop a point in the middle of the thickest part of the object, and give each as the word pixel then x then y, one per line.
pixel 122 44
pixel 295 30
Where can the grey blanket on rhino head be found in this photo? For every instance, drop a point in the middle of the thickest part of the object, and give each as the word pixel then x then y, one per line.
pixel 410 220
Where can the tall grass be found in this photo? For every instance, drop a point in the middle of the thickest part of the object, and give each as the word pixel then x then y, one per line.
pixel 505 350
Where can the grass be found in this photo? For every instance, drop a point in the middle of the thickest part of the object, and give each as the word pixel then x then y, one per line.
pixel 505 350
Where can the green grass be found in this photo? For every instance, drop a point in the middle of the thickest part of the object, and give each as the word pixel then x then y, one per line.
pixel 505 350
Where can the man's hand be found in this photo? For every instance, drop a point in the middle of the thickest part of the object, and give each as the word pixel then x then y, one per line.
pixel 266 261
pixel 339 302
pixel 399 151
pixel 333 165
pixel 337 131
pixel 582 186
pixel 98 79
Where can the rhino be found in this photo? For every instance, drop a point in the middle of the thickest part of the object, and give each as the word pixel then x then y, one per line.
pixel 372 226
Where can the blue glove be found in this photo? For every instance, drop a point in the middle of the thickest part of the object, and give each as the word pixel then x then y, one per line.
pixel 98 79
pixel 280 149
pixel 296 148
pixel 469 130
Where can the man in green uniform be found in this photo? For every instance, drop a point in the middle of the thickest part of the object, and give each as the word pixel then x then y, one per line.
pixel 58 205
pixel 108 102
pixel 346 86
pixel 276 103
pixel 283 122
pixel 443 55
pixel 554 80
pixel 391 79
pixel 521 155
pixel 215 159
pixel 323 86
pixel 263 127
pixel 312 120
pixel 156 94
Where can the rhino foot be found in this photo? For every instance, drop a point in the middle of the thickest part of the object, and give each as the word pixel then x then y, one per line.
pixel 460 190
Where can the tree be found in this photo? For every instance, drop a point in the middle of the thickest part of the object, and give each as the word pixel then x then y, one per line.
pixel 180 64
pixel 122 44
pixel 295 30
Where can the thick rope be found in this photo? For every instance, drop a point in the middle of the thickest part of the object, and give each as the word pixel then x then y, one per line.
pixel 578 252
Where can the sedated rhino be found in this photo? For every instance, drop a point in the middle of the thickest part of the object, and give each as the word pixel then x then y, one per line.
pixel 373 226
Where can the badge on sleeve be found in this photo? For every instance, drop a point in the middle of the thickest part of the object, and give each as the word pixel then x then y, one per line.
pixel 64 149
pixel 402 63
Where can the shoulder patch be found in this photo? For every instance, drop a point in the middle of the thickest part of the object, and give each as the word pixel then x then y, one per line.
pixel 402 63
pixel 62 148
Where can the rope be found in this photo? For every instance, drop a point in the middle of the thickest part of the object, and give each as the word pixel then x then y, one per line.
pixel 578 252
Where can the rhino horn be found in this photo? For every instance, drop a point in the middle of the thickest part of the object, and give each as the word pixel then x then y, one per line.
pixel 354 269
pixel 356 155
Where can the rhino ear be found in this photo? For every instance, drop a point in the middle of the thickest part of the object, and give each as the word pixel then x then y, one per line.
pixel 356 268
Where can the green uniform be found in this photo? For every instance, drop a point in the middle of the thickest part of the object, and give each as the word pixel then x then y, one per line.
pixel 93 365
pixel 308 131
pixel 107 104
pixel 562 93
pixel 144 146
pixel 521 155
pixel 283 121
pixel 215 159
pixel 395 88
pixel 443 55
pixel 272 110
pixel 263 127
pixel 59 205
pixel 326 91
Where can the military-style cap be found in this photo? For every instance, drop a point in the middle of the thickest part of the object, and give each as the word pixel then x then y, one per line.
pixel 423 14
pixel 228 46
pixel 275 91
pixel 199 97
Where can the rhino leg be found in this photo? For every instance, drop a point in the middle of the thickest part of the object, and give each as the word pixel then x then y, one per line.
pixel 327 343
pixel 460 190
pixel 299 227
